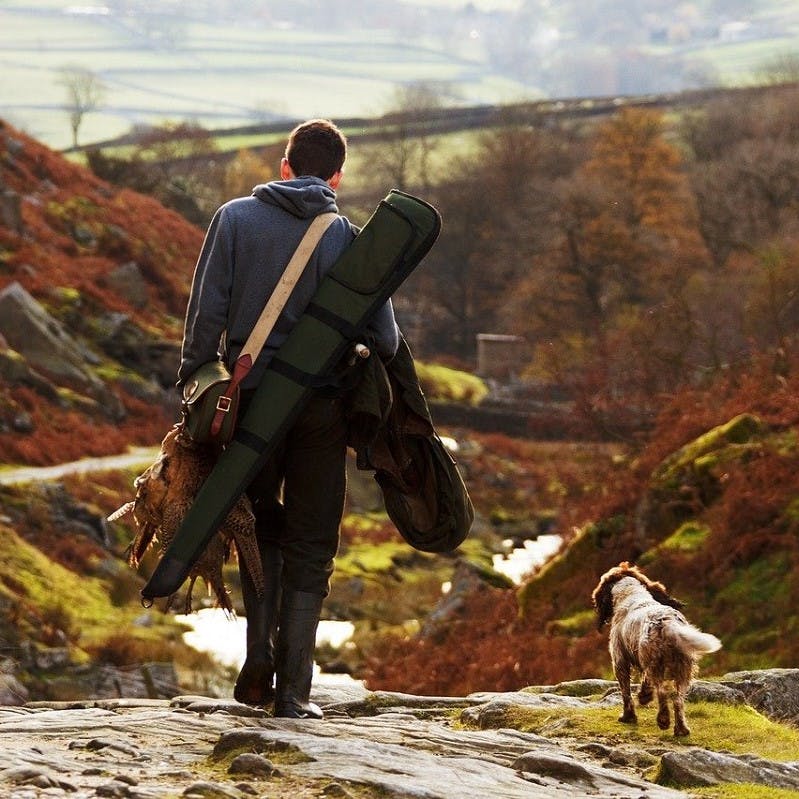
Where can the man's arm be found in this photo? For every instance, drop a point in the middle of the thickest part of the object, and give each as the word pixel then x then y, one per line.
pixel 207 310
pixel 383 328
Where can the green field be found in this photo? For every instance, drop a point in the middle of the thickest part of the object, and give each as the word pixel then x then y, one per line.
pixel 218 76
pixel 234 74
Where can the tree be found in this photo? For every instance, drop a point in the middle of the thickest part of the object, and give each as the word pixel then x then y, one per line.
pixel 745 169
pixel 403 157
pixel 177 163
pixel 85 93
pixel 493 202
pixel 246 170
pixel 624 239
pixel 784 68
pixel 621 221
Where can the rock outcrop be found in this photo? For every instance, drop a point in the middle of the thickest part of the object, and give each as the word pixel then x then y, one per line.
pixel 42 340
pixel 370 744
pixel 774 692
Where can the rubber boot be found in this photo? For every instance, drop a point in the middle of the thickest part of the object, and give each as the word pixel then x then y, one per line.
pixel 254 685
pixel 299 618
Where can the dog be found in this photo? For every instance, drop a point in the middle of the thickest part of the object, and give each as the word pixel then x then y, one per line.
pixel 648 633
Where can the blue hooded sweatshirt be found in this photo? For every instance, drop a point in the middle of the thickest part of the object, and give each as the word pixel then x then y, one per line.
pixel 247 247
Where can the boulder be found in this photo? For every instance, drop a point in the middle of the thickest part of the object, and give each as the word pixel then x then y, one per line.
pixel 12 691
pixel 774 692
pixel 697 767
pixel 128 281
pixel 41 339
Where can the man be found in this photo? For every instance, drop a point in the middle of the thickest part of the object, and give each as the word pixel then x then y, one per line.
pixel 298 497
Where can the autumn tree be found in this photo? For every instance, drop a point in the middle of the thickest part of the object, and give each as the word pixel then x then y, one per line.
pixel 624 241
pixel 245 171
pixel 177 162
pixel 745 170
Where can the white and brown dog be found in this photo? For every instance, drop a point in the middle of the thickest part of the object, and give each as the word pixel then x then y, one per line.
pixel 648 633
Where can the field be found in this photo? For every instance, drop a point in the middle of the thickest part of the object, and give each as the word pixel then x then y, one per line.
pixel 219 76
pixel 227 72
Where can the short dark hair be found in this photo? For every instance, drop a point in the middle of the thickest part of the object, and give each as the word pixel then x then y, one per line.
pixel 316 147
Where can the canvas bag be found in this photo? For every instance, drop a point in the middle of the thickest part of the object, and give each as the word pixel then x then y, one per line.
pixel 430 505
pixel 210 397
pixel 392 433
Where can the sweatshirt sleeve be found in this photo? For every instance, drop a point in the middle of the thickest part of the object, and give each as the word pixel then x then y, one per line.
pixel 209 300
pixel 384 330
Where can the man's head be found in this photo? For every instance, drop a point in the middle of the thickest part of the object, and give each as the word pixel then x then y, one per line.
pixel 316 148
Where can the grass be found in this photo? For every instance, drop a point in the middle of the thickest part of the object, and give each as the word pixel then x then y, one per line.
pixel 737 729
pixel 220 76
pixel 743 791
pixel 365 558
pixel 49 597
pixel 689 537
pixel 740 63
pixel 446 384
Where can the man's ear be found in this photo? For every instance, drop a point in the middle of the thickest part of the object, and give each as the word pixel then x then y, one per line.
pixel 335 179
pixel 286 172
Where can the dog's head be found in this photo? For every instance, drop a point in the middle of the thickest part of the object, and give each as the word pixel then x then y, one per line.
pixel 602 595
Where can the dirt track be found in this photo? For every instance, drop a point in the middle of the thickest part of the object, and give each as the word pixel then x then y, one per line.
pixel 140 456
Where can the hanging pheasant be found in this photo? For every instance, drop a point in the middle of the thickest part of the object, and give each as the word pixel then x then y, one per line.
pixel 164 493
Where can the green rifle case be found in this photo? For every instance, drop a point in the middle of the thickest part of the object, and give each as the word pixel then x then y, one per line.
pixel 388 248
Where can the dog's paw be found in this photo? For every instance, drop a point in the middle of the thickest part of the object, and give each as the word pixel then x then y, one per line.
pixel 681 730
pixel 628 717
pixel 664 719
pixel 645 695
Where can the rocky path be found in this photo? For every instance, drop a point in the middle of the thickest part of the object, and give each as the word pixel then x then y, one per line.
pixel 370 745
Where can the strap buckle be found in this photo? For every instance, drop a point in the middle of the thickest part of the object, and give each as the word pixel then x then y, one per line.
pixel 224 403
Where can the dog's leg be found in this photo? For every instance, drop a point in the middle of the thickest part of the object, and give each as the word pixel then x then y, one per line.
pixel 680 725
pixel 664 715
pixel 622 670
pixel 645 692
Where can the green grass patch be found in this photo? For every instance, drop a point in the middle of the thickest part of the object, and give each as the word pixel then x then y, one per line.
pixel 576 625
pixel 450 385
pixel 687 538
pixel 743 790
pixel 52 596
pixel 366 558
pixel 737 729
pixel 761 584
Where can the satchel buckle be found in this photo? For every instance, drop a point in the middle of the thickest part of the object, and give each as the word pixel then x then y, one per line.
pixel 224 403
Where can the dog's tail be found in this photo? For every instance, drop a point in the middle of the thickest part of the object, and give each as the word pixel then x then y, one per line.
pixel 694 641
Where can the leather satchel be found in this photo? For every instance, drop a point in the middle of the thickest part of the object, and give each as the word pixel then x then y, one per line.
pixel 205 394
pixel 210 397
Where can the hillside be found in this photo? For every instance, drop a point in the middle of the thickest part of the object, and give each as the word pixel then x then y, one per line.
pixel 707 503
pixel 99 279
pixel 708 506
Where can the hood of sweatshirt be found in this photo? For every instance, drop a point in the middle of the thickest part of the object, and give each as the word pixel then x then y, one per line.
pixel 301 197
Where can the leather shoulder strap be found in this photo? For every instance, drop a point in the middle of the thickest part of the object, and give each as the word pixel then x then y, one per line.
pixel 279 297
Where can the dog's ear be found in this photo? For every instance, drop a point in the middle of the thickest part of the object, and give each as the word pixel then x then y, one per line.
pixel 659 594
pixel 603 602
pixel 656 589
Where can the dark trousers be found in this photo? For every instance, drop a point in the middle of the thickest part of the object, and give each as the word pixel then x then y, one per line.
pixel 298 497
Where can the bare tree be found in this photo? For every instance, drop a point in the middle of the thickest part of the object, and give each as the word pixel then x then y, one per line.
pixel 403 159
pixel 85 93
